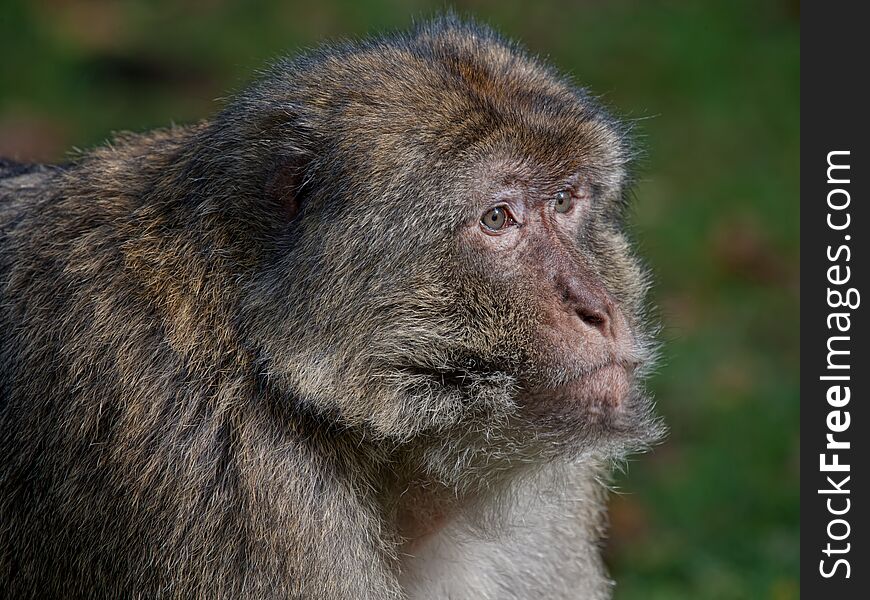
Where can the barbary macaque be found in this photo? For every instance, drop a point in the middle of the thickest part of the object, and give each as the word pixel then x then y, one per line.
pixel 374 331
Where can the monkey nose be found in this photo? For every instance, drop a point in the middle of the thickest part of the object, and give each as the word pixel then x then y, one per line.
pixel 599 318
pixel 591 304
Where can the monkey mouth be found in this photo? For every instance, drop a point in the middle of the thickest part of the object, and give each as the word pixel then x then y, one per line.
pixel 600 389
pixel 607 385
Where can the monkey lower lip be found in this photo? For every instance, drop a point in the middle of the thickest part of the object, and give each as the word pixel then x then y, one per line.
pixel 610 384
pixel 605 386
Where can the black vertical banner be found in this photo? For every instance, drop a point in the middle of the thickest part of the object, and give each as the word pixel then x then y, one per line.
pixel 835 373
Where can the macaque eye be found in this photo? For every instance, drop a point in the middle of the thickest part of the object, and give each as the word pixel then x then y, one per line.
pixel 563 201
pixel 496 218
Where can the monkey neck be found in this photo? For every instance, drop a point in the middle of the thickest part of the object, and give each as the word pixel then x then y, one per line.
pixel 420 512
pixel 416 509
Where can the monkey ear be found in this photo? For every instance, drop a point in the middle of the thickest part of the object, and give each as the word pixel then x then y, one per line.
pixel 284 187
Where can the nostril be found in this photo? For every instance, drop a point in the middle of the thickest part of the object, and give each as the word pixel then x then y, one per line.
pixel 593 319
pixel 590 303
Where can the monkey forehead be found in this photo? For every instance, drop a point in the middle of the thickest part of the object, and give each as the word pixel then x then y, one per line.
pixel 447 91
pixel 544 160
pixel 463 98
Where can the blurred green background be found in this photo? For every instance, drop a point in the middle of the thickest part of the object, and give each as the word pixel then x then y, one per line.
pixel 714 89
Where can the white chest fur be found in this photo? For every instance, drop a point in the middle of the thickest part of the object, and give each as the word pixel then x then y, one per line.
pixel 539 541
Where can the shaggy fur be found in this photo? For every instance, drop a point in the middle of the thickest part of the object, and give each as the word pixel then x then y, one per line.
pixel 254 357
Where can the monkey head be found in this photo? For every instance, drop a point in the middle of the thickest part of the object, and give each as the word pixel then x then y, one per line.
pixel 445 263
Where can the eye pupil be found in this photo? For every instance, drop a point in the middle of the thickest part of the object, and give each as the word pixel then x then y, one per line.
pixel 563 202
pixel 495 218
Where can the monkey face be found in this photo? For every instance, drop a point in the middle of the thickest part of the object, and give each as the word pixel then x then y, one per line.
pixel 528 246
pixel 557 289
pixel 458 266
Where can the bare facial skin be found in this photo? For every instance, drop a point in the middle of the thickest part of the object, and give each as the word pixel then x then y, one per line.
pixel 375 330
pixel 529 236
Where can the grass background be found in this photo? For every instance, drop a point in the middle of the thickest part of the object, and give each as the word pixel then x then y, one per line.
pixel 713 86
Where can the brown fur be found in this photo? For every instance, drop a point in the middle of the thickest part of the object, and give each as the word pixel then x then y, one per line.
pixel 236 356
